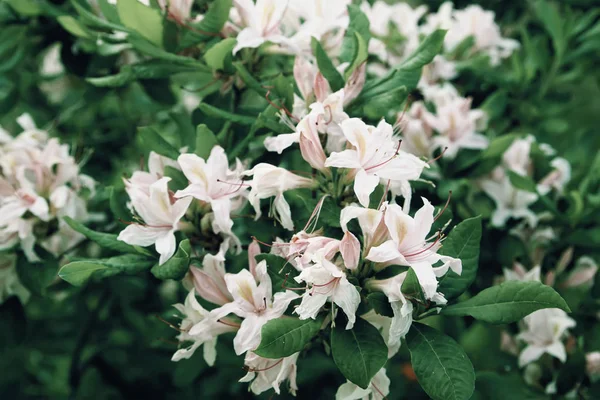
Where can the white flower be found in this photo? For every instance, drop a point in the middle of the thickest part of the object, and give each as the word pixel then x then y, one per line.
pixel 592 365
pixel 253 301
pixel 261 21
pixel 558 178
pixel 141 180
pixel 544 331
pixel 212 181
pixel 267 373
pixel 374 156
pixel 510 202
pixel 379 388
pixel 270 181
pixel 193 313
pixel 179 10
pixel 327 282
pixel 408 244
pixel 517 157
pixel 161 219
pixel 210 280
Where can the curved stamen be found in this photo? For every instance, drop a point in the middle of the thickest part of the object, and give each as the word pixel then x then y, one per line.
pixel 445 206
pixel 281 108
pixel 426 248
pixel 262 369
pixel 388 160
pixel 228 323
pixel 438 157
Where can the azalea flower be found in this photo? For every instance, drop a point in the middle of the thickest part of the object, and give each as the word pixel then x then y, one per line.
pixel 253 301
pixel 408 244
pixel 544 331
pixel 327 282
pixel 379 388
pixel 179 10
pixel 261 22
pixel 141 180
pixel 268 373
pixel 161 218
pixel 510 202
pixel 193 313
pixel 270 181
pixel 212 181
pixel 209 280
pixel 558 178
pixel 517 157
pixel 374 156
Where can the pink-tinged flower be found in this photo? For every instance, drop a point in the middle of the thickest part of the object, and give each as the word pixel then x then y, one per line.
pixel 193 314
pixel 269 373
pixel 373 156
pixel 350 250
pixel 20 202
pixel 370 221
pixel 326 281
pixel 408 244
pixel 303 246
pixel 517 157
pixel 519 273
pixel 212 181
pixel 558 178
pixel 270 181
pixel 379 388
pixel 261 22
pixel 209 280
pixel 544 332
pixel 355 83
pixel 141 180
pixel 161 219
pixel 253 301
pixel 305 73
pixel 583 275
pixel 310 143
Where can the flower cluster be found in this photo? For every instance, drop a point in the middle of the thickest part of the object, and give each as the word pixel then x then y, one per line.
pixel 40 184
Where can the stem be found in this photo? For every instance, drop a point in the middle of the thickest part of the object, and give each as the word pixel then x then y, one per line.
pixel 556 63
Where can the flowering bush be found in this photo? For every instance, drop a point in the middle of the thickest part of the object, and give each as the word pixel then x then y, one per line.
pixel 356 199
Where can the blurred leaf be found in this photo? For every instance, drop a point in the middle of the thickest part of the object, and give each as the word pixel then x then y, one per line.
pixel 217 56
pixel 106 240
pixel 380 303
pixel 79 272
pixel 326 67
pixel 153 141
pixel 145 20
pixel 205 141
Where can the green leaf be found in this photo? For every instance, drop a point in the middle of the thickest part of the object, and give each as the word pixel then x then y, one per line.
pixel 281 272
pixel 498 146
pixel 360 56
pixel 217 112
pixel 359 24
pixel 216 57
pixel 283 337
pixel 145 20
pixel 508 302
pixel 106 240
pixel 463 243
pixel 440 364
pixel 411 286
pixel 380 304
pixel 117 204
pixel 205 141
pixel 79 272
pixel 152 69
pixel 214 19
pixel 177 266
pixel 28 8
pixel 335 79
pixel 550 17
pixel 359 353
pixel 493 386
pixel 522 182
pixel 152 141
pixel 73 26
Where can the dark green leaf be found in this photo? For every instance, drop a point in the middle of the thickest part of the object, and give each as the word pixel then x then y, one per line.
pixel 283 337
pixel 411 287
pixel 359 353
pixel 177 266
pixel 440 364
pixel 106 240
pixel 205 141
pixel 380 304
pixel 522 182
pixel 152 141
pixel 282 273
pixel 217 55
pixel 335 79
pixel 508 302
pixel 463 243
pixel 216 112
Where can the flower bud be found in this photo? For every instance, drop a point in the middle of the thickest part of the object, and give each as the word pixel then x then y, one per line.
pixel 322 89
pixel 355 83
pixel 253 251
pixel 304 74
pixel 310 143
pixel 350 249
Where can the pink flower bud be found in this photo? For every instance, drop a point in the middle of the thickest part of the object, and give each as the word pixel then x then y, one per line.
pixel 355 83
pixel 210 289
pixel 350 249
pixel 322 89
pixel 310 143
pixel 253 251
pixel 304 74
